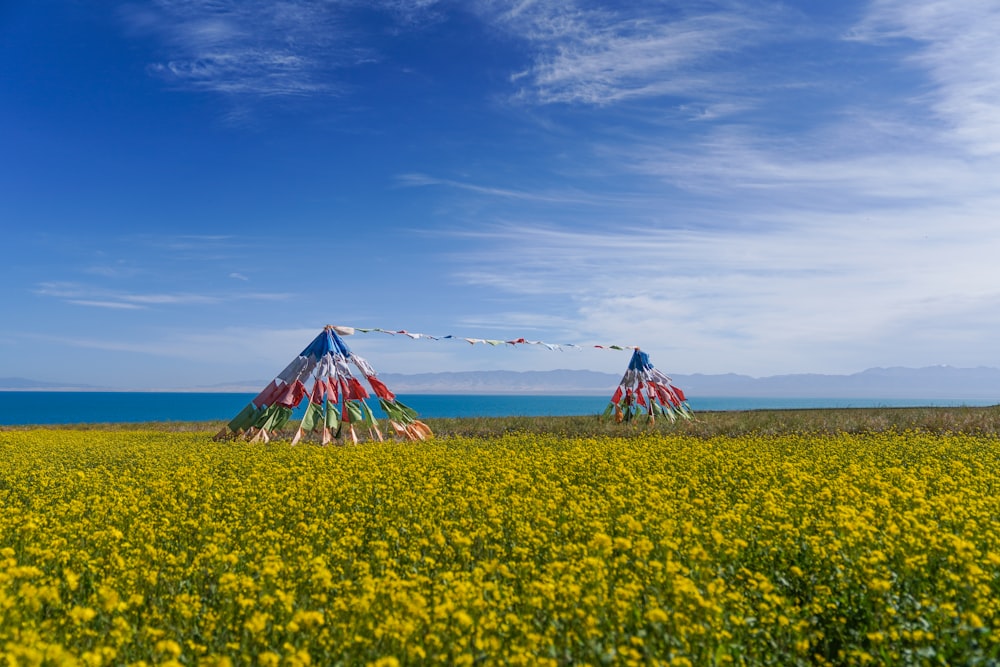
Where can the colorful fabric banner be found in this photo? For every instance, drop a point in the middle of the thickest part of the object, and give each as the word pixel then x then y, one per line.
pixel 488 341
pixel 644 390
pixel 322 372
pixel 321 375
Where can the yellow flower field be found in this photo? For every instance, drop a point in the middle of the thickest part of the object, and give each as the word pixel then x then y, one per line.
pixel 141 547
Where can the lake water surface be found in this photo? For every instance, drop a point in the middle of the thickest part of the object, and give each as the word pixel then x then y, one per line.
pixel 92 407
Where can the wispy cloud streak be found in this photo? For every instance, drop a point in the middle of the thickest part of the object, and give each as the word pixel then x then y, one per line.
pixel 956 46
pixel 85 295
pixel 544 197
pixel 603 55
pixel 229 345
pixel 784 290
pixel 579 53
pixel 247 47
pixel 817 169
pixel 113 305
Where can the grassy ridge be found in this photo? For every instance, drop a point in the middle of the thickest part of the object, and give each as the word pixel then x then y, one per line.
pixel 972 420
pixel 977 420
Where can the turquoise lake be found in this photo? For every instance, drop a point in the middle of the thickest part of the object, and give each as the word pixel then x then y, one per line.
pixel 93 407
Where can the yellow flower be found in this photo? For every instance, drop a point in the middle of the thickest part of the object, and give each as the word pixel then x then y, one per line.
pixel 168 647
pixel 657 616
pixel 646 549
pixel 257 623
pixel 82 614
pixel 268 659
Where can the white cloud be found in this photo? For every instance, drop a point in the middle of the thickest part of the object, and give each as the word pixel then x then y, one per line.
pixel 612 53
pixel 864 235
pixel 578 53
pixel 87 295
pixel 562 196
pixel 252 47
pixel 818 168
pixel 955 42
pixel 115 305
pixel 169 299
pixel 866 240
pixel 779 297
pixel 259 48
pixel 256 348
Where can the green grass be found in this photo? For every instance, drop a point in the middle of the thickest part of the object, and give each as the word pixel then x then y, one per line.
pixel 973 420
pixel 978 420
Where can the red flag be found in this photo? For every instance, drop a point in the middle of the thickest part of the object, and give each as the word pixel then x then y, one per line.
pixel 355 389
pixel 331 389
pixel 380 389
pixel 318 390
pixel 292 395
pixel 270 392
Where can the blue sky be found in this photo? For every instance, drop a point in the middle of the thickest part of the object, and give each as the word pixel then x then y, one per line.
pixel 191 189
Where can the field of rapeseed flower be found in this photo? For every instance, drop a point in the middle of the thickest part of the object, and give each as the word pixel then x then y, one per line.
pixel 143 547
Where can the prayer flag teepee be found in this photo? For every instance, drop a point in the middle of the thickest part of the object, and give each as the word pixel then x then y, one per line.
pixel 645 390
pixel 336 405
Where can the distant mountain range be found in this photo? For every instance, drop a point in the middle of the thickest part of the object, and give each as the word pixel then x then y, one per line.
pixel 25 384
pixel 939 382
pixel 930 382
pixel 895 382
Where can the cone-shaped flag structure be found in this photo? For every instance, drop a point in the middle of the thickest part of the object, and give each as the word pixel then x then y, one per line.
pixel 646 391
pixel 335 399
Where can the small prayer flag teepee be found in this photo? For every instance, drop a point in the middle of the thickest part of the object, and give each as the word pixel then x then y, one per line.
pixel 336 399
pixel 645 390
